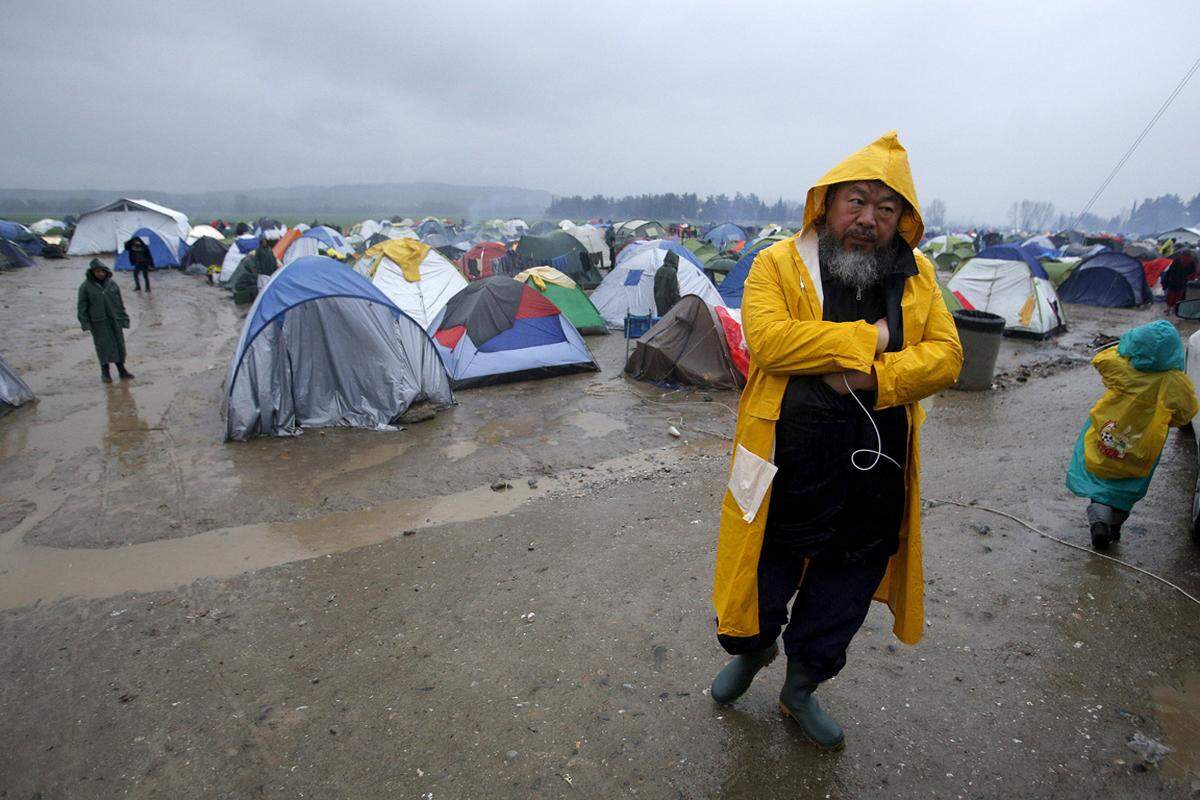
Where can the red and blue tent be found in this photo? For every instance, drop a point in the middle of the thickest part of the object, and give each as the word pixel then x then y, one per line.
pixel 499 330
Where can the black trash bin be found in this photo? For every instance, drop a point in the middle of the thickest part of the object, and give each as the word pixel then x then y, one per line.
pixel 980 334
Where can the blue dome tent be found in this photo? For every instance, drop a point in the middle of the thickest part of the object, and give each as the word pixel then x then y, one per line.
pixel 22 236
pixel 323 347
pixel 11 255
pixel 1107 279
pixel 725 234
pixel 731 288
pixel 161 251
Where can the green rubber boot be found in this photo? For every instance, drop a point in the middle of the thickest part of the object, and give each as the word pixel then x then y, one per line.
pixel 796 701
pixel 733 681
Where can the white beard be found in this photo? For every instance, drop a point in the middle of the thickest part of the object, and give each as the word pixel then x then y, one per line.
pixel 857 269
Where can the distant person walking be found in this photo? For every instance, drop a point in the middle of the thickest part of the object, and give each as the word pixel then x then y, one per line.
pixel 140 258
pixel 101 312
pixel 1118 449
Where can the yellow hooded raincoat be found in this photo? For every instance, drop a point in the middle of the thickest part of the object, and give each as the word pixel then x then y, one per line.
pixel 786 335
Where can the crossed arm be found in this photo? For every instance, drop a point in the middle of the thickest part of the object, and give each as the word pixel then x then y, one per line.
pixel 852 353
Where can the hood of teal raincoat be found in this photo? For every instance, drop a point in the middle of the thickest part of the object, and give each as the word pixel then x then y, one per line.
pixel 1153 347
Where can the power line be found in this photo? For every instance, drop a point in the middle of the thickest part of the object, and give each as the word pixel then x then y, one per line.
pixel 1146 130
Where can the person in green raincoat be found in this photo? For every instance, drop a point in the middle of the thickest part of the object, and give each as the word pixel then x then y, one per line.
pixel 101 312
pixel 1120 444
pixel 264 258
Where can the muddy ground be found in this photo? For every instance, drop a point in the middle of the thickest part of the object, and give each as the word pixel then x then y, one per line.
pixel 357 614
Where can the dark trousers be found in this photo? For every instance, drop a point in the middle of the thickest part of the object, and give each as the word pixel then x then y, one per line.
pixel 831 602
pixel 144 271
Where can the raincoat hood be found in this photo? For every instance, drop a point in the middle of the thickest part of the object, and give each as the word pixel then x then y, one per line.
pixel 886 160
pixel 97 264
pixel 1154 347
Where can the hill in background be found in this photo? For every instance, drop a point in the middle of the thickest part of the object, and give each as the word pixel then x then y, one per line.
pixel 351 200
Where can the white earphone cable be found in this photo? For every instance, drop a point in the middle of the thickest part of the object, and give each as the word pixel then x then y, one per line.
pixel 878 451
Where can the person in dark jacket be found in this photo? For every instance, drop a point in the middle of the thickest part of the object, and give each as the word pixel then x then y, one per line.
pixel 264 259
pixel 101 312
pixel 140 258
pixel 1175 278
pixel 666 284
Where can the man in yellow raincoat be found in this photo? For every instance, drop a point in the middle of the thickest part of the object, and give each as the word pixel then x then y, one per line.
pixel 847 332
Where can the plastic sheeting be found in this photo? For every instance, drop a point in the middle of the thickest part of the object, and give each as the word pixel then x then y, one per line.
pixel 13 391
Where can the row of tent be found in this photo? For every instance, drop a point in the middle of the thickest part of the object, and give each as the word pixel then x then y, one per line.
pixel 1009 280
pixel 326 344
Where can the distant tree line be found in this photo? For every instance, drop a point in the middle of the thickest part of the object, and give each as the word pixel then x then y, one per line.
pixel 1150 216
pixel 672 206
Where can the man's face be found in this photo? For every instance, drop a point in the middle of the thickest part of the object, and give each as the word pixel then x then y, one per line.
pixel 863 215
pixel 98 274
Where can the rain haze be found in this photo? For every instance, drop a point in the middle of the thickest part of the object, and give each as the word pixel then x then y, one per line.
pixel 995 102
pixel 459 400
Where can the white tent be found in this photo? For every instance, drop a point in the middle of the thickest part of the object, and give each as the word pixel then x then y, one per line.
pixel 1181 235
pixel 204 230
pixel 414 276
pixel 592 239
pixel 42 225
pixel 629 288
pixel 105 229
pixel 1015 288
pixel 394 230
pixel 515 227
pixel 242 246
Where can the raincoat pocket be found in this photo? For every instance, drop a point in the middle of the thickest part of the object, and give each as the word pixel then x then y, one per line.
pixel 1125 438
pixel 749 480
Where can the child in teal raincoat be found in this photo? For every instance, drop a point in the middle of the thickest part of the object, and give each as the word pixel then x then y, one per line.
pixel 1120 444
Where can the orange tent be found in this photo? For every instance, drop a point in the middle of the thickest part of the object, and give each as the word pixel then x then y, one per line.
pixel 285 241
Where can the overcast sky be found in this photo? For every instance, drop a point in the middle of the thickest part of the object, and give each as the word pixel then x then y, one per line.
pixel 995 101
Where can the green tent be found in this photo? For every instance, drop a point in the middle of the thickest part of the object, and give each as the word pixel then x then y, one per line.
pixel 542 250
pixel 567 297
pixel 701 249
pixel 951 301
pixel 949 250
pixel 1059 269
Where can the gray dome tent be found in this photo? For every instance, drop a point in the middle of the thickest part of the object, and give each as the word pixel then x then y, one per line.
pixel 323 347
pixel 13 391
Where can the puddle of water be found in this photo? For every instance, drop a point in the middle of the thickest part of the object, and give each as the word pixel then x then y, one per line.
pixel 368 457
pixel 460 449
pixel 32 572
pixel 507 429
pixel 594 424
pixel 29 573
pixel 1178 712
